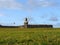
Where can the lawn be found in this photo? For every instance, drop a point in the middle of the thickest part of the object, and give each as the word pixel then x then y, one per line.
pixel 29 36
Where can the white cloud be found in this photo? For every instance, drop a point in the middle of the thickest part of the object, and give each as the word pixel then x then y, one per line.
pixel 40 3
pixel 12 4
pixel 53 19
pixel 1 15
pixel 44 4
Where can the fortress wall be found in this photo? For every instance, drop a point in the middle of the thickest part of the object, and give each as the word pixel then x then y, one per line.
pixel 9 26
pixel 39 26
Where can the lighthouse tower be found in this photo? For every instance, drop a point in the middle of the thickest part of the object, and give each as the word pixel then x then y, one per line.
pixel 26 23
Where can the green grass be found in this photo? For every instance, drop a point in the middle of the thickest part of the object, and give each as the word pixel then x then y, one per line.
pixel 30 36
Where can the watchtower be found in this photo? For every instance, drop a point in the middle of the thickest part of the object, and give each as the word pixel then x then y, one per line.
pixel 26 23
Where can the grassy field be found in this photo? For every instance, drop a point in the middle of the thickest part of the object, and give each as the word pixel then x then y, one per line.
pixel 30 36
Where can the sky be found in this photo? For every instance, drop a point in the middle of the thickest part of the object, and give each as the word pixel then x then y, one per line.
pixel 13 12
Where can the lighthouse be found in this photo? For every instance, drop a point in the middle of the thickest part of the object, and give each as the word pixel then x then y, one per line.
pixel 26 23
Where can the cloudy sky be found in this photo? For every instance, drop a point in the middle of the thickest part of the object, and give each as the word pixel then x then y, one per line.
pixel 13 12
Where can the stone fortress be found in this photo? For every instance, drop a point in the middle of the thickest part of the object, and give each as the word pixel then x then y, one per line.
pixel 27 25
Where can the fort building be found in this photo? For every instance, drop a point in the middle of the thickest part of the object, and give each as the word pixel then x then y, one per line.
pixel 27 25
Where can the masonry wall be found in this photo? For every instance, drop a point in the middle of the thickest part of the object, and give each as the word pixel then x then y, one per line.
pixel 9 26
pixel 39 26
